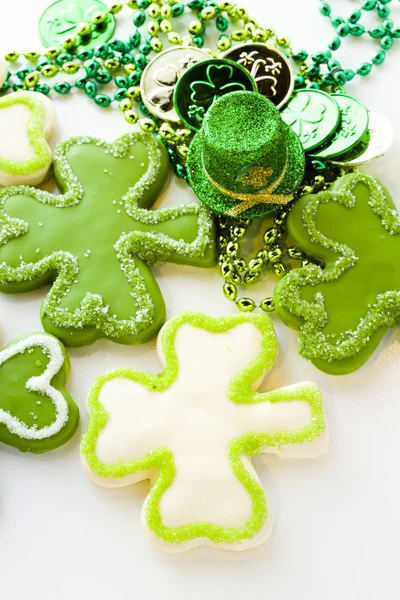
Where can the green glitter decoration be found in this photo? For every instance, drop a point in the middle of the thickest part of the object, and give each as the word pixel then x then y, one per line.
pixel 96 240
pixel 242 133
pixel 344 309
pixel 239 392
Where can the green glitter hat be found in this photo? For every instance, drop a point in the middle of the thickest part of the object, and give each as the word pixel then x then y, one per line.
pixel 245 161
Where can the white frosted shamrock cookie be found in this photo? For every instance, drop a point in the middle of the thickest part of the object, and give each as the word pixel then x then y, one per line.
pixel 36 412
pixel 27 120
pixel 192 429
pixel 3 71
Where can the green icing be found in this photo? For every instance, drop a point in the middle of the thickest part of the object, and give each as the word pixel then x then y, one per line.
pixel 41 156
pixel 96 240
pixel 34 408
pixel 251 445
pixel 344 309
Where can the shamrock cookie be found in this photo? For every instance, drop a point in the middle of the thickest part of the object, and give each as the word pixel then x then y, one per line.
pixel 27 120
pixel 344 309
pixel 36 412
pixel 3 71
pixel 96 240
pixel 192 429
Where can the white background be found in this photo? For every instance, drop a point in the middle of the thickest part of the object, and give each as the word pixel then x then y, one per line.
pixel 337 518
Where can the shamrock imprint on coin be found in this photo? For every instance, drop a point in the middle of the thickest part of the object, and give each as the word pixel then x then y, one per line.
pixel 344 309
pixel 27 121
pixel 193 429
pixel 96 241
pixel 36 412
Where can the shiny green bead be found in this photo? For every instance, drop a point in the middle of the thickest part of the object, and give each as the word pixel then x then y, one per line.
pixel 135 39
pixel 246 304
pixel 70 68
pixel 102 100
pixel 355 17
pixel 275 254
pixel 177 9
pixel 23 73
pixel 368 5
pixel 18 85
pixel 62 87
pixel 85 55
pixel 357 30
pixel 340 78
pixel 226 269
pixel 376 32
pixel 387 25
pixel 364 69
pixel 12 56
pixel 325 9
pixel 99 18
pixel 240 264
pixel 235 278
pixel 383 11
pixel 222 23
pixel 232 249
pixel 262 254
pixel 139 18
pixel 115 8
pixel 280 216
pixel 396 32
pixel 90 89
pixel 31 80
pixel 145 49
pixel 230 291
pixel 118 46
pixel 321 58
pixel 343 29
pixel 43 63
pixel 255 265
pixel 143 4
pixel 379 57
pixel 121 82
pixel 279 269
pixel 134 78
pixel 6 86
pixel 267 304
pixel 270 236
pixel 43 88
pixel 299 82
pixel 336 21
pixel 101 50
pixel 140 61
pixel 386 42
pixel 335 44
pixel 198 41
pixel 81 82
pixel 63 58
pixel 314 85
pixel 147 125
pixel 313 71
pixel 180 171
pixel 103 77
pixel 251 277
pixel 300 56
pixel 195 4
pixel 295 253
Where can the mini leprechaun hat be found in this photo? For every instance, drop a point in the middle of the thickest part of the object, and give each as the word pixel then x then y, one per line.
pixel 245 161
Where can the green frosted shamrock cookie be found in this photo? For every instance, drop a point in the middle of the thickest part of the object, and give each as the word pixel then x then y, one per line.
pixel 343 309
pixel 193 429
pixel 36 412
pixel 94 242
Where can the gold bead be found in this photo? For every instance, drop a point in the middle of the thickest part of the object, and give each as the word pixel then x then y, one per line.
pixel 283 42
pixel 99 18
pixel 208 13
pixel 195 27
pixel 154 10
pixel 131 116
pixel 153 28
pixel 256 264
pixel 156 44
pixel 250 28
pixel 115 8
pixel 251 277
pixel 224 44
pixel 259 35
pixel 31 80
pixel 182 151
pixel 147 125
pixel 267 304
pixel 242 13
pixel 166 131
pixel 69 42
pixel 174 38
pixel 32 56
pixel 12 56
pixel 125 104
pixel 226 6
pixel 133 92
pixel 112 64
pixel 129 68
pixel 240 264
pixel 49 71
pixel 165 26
pixel 132 4
pixel 230 291
pixel 183 134
pixel 52 53
pixel 240 35
pixel 186 41
pixel 70 68
pixel 279 269
pixel 166 11
pixel 269 33
pixel 84 30
pixel 246 304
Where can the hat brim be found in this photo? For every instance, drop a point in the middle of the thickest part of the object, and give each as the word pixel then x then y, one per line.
pixel 221 203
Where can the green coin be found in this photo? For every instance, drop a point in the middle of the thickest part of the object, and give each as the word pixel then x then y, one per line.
pixel 62 19
pixel 353 126
pixel 201 85
pixel 313 115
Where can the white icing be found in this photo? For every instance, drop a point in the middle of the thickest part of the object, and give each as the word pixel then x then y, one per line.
pixel 14 141
pixel 3 71
pixel 40 384
pixel 197 421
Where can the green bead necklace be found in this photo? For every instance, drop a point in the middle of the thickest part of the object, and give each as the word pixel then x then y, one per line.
pixel 121 64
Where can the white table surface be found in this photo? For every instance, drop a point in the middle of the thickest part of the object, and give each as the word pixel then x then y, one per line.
pixel 336 518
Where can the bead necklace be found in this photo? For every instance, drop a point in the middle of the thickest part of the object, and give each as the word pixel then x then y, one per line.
pixel 122 64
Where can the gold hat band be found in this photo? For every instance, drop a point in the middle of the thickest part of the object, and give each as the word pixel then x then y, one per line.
pixel 249 200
